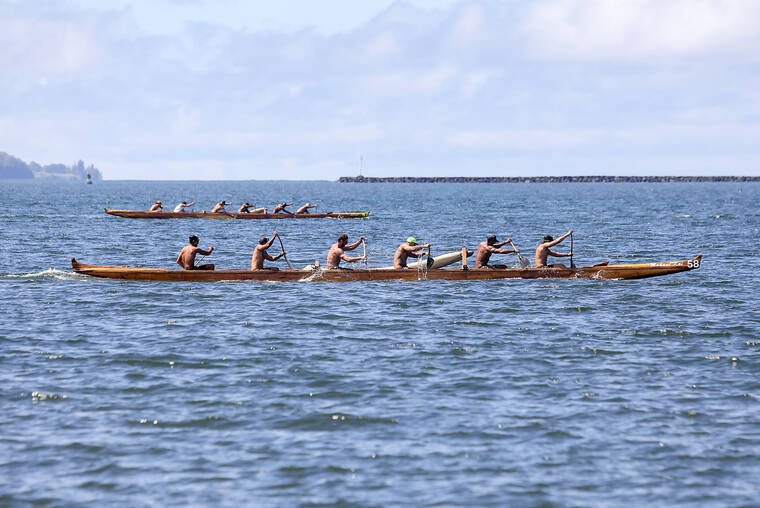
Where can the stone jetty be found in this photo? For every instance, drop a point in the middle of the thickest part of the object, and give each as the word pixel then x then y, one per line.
pixel 544 179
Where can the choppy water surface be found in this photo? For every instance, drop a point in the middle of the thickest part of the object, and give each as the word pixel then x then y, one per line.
pixel 494 393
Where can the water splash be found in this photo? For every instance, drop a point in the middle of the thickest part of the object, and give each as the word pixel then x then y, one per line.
pixel 49 274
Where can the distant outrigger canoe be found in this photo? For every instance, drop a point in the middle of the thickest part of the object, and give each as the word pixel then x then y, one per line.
pixel 601 271
pixel 144 214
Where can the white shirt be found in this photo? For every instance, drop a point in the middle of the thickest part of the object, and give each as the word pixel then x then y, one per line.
pixel 180 208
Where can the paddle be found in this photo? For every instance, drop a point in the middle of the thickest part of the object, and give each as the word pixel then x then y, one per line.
pixel 572 264
pixel 197 263
pixel 524 263
pixel 364 248
pixel 283 252
pixel 430 259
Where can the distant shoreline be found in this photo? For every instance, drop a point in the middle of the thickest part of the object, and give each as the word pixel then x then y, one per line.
pixel 544 179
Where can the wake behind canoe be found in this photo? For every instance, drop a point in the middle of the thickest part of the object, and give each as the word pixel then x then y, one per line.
pixel 630 271
pixel 143 214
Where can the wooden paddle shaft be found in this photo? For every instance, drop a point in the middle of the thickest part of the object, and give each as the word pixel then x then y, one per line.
pixel 464 258
pixel 572 264
pixel 284 255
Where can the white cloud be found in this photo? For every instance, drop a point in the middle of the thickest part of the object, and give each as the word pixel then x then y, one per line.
pixel 45 46
pixel 412 81
pixel 633 29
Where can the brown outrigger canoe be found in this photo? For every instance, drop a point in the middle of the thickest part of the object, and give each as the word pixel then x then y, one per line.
pixel 602 271
pixel 143 214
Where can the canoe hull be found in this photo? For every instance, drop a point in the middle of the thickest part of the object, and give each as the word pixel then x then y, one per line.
pixel 633 271
pixel 142 214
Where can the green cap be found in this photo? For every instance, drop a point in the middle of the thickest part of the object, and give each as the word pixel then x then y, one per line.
pixel 411 239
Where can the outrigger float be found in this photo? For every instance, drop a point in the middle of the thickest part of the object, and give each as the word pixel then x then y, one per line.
pixel 600 271
pixel 255 214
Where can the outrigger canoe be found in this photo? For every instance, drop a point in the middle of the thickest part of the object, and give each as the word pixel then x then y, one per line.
pixel 143 214
pixel 601 271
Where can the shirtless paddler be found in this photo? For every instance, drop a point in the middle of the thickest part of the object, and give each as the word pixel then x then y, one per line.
pixel 408 249
pixel 186 258
pixel 491 246
pixel 260 253
pixel 337 252
pixel 543 251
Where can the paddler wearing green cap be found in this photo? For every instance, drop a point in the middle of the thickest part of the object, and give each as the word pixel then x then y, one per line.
pixel 407 249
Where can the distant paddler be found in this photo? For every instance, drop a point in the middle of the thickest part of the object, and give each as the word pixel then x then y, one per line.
pixel 186 258
pixel 260 253
pixel 305 208
pixel 491 246
pixel 181 207
pixel 245 207
pixel 337 252
pixel 280 208
pixel 156 207
pixel 544 251
pixel 219 207
pixel 408 249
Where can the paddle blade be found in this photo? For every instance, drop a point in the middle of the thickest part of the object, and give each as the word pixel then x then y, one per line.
pixel 430 261
pixel 524 263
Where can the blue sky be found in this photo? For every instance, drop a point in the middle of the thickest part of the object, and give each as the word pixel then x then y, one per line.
pixel 197 89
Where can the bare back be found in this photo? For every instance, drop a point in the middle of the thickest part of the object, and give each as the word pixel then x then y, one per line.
pixel 403 252
pixel 543 251
pixel 484 254
pixel 259 255
pixel 186 257
pixel 542 254
pixel 334 255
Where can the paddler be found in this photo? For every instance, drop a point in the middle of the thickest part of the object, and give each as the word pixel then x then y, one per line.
pixel 491 246
pixel 543 251
pixel 280 208
pixel 186 258
pixel 408 249
pixel 305 208
pixel 219 207
pixel 181 207
pixel 260 253
pixel 245 207
pixel 156 207
pixel 337 252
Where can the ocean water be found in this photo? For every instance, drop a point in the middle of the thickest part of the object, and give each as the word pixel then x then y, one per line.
pixel 426 393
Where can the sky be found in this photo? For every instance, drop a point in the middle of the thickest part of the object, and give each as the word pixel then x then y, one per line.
pixel 300 90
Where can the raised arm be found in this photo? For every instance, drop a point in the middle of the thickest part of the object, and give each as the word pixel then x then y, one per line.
pixel 558 240
pixel 206 252
pixel 411 250
pixel 354 245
